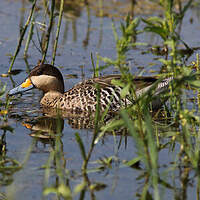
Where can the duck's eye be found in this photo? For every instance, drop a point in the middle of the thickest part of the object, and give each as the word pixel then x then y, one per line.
pixel 40 72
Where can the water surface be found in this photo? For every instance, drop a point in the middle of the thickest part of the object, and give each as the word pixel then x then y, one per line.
pixel 82 33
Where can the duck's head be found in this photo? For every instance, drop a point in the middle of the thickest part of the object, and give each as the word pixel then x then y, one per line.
pixel 44 77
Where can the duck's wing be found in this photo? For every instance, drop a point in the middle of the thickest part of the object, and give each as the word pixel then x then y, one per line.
pixel 106 81
pixel 144 81
pixel 103 81
pixel 139 82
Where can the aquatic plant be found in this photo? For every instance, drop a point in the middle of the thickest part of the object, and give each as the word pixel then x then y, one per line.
pixel 141 125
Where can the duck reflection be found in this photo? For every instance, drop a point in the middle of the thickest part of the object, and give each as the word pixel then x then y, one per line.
pixel 76 121
pixel 45 128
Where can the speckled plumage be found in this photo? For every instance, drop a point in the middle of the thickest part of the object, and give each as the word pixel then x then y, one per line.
pixel 83 96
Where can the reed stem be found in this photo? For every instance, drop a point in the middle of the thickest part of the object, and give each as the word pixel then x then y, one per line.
pixel 58 30
pixel 22 36
pixel 30 34
pixel 48 31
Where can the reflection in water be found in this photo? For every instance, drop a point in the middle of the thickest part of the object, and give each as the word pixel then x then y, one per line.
pixel 48 124
pixel 45 128
pixel 48 129
pixel 22 15
pixel 8 166
pixel 72 10
pixel 86 40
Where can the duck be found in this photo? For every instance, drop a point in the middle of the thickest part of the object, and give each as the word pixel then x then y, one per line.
pixel 83 97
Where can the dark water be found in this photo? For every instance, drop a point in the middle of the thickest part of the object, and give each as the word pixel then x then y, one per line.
pixel 78 39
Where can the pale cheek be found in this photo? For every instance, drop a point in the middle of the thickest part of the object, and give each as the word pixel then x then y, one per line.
pixel 43 82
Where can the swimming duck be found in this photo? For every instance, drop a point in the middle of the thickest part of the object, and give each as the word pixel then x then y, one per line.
pixel 83 96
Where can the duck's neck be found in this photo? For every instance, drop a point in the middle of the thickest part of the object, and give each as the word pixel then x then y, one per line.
pixel 50 99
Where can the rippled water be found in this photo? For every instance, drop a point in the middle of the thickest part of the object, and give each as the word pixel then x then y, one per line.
pixel 80 36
